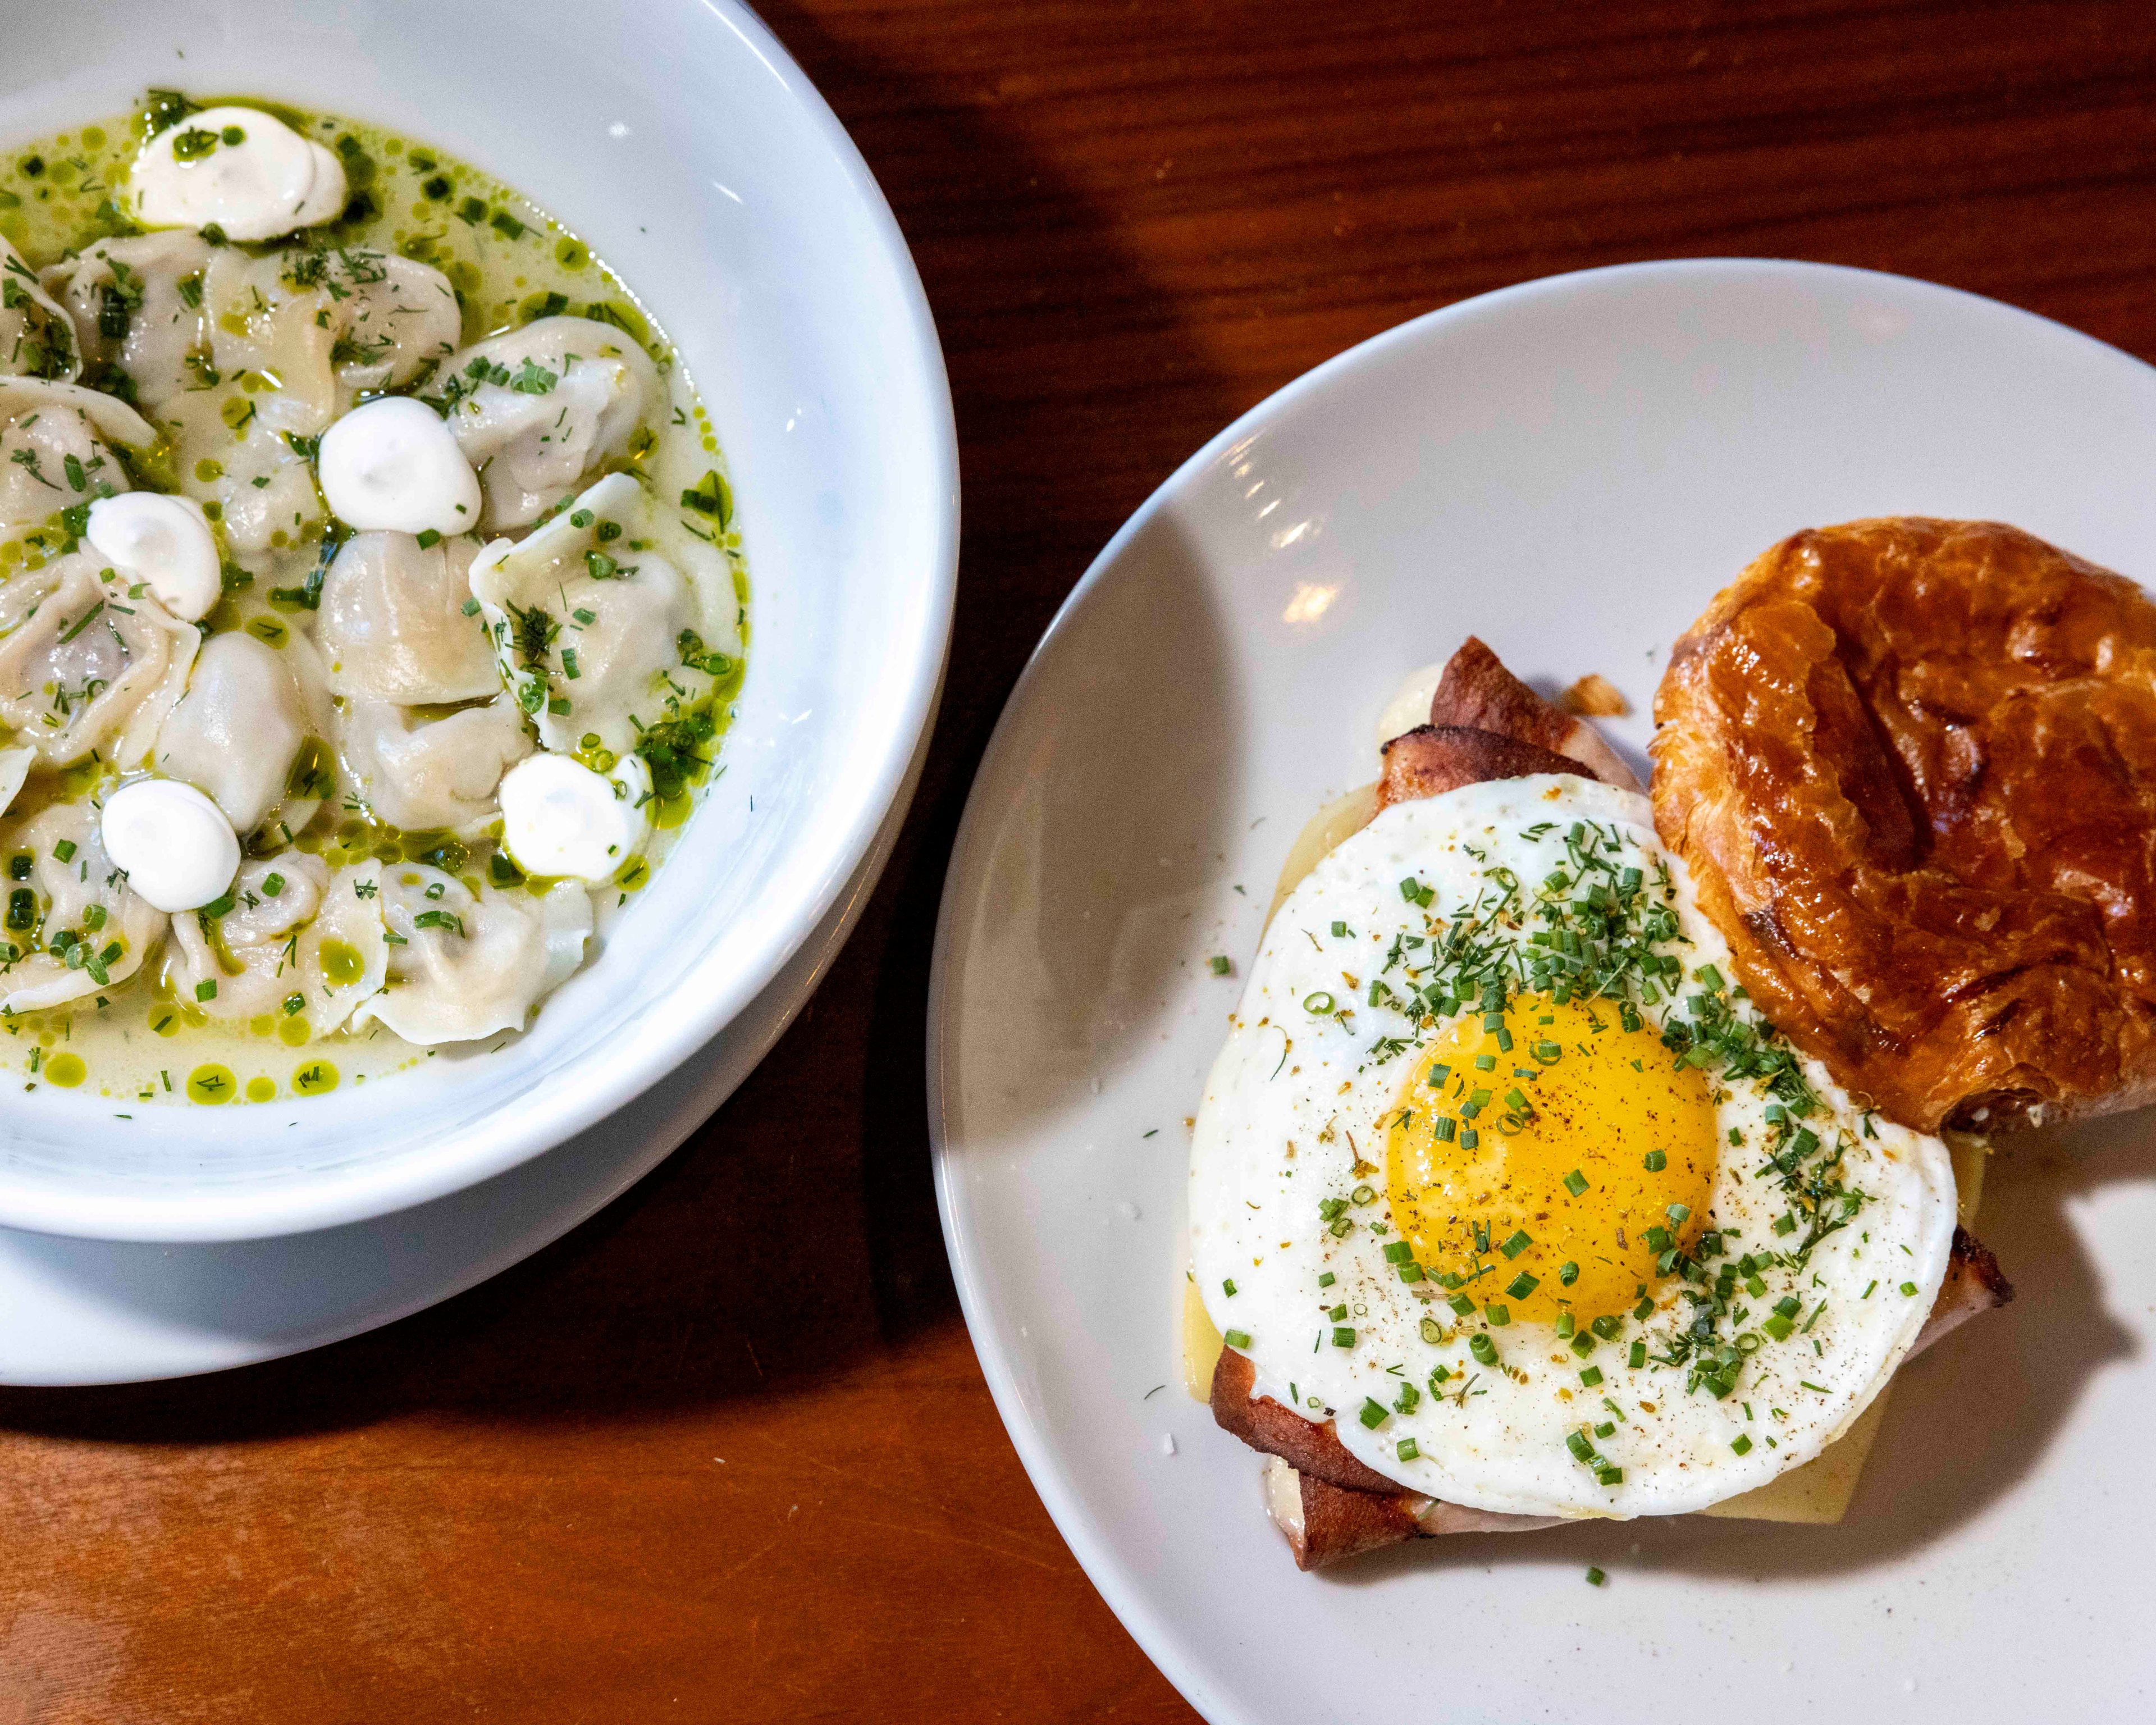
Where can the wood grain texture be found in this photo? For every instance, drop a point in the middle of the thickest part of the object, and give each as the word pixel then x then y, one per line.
pixel 724 1452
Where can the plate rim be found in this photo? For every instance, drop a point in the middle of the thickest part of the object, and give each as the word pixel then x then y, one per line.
pixel 1087 1538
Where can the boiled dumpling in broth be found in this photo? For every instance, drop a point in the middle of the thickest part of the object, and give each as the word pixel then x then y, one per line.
pixel 295 939
pixel 466 965
pixel 236 731
pixel 599 632
pixel 394 623
pixel 57 448
pixel 36 337
pixel 538 411
pixel 91 665
pixel 73 927
pixel 394 319
pixel 245 431
pixel 427 774
pixel 137 307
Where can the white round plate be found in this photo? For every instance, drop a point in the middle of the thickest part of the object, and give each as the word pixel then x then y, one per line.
pixel 114 1311
pixel 1569 469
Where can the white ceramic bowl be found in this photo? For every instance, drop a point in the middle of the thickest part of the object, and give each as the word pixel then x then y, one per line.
pixel 679 139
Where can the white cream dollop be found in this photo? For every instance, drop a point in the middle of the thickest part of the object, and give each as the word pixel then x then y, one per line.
pixel 391 465
pixel 178 849
pixel 163 541
pixel 240 170
pixel 558 817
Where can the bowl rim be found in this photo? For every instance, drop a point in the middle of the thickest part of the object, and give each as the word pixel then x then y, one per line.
pixel 797 900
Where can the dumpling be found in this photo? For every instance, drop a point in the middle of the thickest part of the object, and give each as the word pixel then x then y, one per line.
pixel 392 623
pixel 236 733
pixel 463 965
pixel 245 431
pixel 426 775
pixel 56 448
pixel 15 765
pixel 541 409
pixel 37 338
pixel 599 633
pixel 72 927
pixel 300 940
pixel 393 319
pixel 137 307
pixel 88 667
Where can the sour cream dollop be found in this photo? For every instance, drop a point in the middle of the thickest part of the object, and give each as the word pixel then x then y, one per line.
pixel 178 849
pixel 239 169
pixel 391 465
pixel 558 817
pixel 163 541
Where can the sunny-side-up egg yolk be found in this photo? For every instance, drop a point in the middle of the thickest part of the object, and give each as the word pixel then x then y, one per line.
pixel 1548 1156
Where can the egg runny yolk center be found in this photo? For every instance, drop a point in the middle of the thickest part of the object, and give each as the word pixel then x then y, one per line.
pixel 1531 1159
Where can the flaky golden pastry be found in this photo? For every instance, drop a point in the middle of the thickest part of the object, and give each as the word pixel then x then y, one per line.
pixel 1912 764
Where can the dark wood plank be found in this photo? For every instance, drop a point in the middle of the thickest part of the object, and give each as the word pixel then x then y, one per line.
pixel 725 1452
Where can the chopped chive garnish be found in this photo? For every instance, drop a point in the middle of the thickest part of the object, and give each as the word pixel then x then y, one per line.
pixel 1326 1279
pixel 1497 1316
pixel 1219 964
pixel 1638 1357
pixel 1342 1337
pixel 1238 1338
pixel 1372 1414
pixel 1575 1183
pixel 1908 1287
pixel 1590 1376
pixel 1518 1242
pixel 1521 1287
pixel 1567 1272
pixel 1406 1449
pixel 1483 1349
pixel 1595 1578
pixel 1741 1445
pixel 1657 1161
pixel 1228 1288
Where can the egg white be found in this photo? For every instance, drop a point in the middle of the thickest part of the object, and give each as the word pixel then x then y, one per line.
pixel 1296 1098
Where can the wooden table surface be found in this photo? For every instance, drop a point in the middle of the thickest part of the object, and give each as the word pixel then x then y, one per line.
pixel 689 1464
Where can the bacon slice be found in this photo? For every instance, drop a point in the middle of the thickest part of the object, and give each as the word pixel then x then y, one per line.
pixel 1973 1283
pixel 1477 691
pixel 1433 759
pixel 1310 1446
pixel 1330 1507
pixel 1324 1524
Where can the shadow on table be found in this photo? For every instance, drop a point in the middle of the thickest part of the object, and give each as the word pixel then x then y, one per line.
pixel 795 1235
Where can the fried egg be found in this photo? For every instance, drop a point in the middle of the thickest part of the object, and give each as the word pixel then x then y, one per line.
pixel 1500 1172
